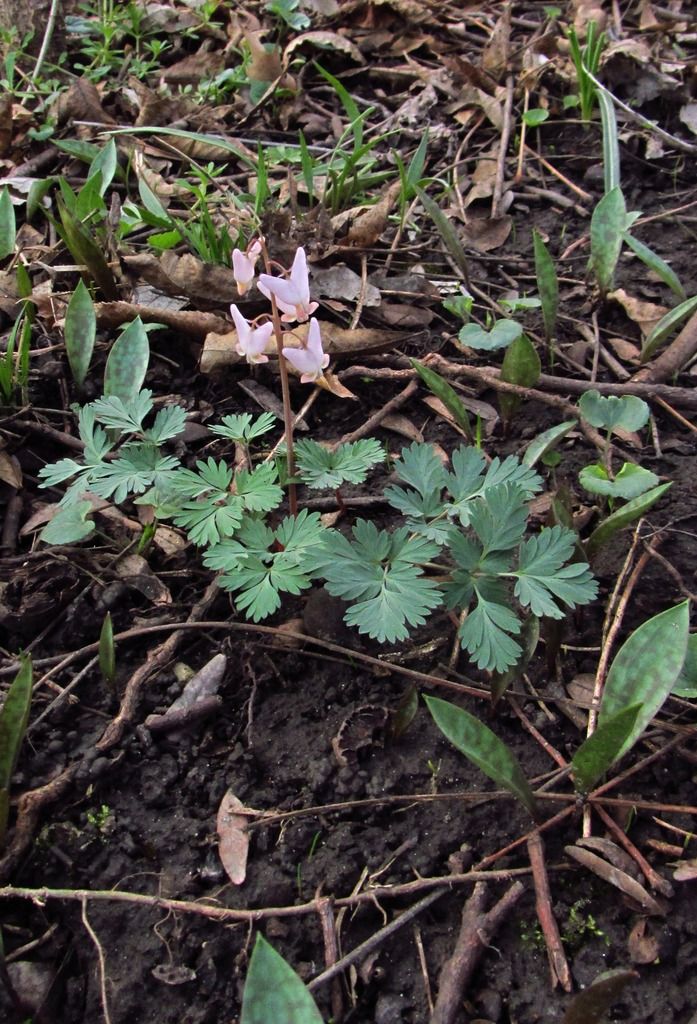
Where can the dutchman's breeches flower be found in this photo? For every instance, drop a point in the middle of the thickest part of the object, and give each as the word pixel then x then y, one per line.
pixel 292 294
pixel 243 264
pixel 251 341
pixel 310 359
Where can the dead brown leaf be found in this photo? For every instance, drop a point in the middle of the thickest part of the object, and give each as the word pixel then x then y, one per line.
pixel 403 426
pixel 233 845
pixel 495 54
pixel 206 284
pixel 10 469
pixel 134 571
pixel 81 102
pixel 219 349
pixel 645 314
pixel 366 224
pixel 642 946
pixel 325 41
pixel 362 727
pixel 190 70
pixel 188 322
pixel 487 233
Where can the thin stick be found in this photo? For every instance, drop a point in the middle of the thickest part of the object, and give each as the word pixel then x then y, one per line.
pixel 102 963
pixel 362 951
pixel 503 149
pixel 558 965
pixel 46 41
pixel 476 932
pixel 325 911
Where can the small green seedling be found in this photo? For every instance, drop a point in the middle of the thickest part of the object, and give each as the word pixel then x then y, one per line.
pixel 446 394
pixel 107 653
pixel 548 287
pixel 641 677
pixel 637 486
pixel 585 60
pixel 274 992
pixel 497 335
pixel 13 725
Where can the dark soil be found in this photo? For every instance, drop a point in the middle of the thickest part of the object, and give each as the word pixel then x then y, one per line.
pixel 141 816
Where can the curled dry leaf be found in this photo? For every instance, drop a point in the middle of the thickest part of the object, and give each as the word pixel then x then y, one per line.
pixel 363 727
pixel 233 846
pixel 134 571
pixel 645 314
pixel 173 974
pixel 325 41
pixel 620 879
pixel 642 945
pixel 219 349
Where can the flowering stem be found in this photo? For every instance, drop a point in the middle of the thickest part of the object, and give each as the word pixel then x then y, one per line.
pixel 285 390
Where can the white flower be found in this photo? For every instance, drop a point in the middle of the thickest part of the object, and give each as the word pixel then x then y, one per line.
pixel 243 264
pixel 310 359
pixel 292 294
pixel 251 341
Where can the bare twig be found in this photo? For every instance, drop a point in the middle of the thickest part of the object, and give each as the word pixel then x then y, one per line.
pixel 558 965
pixel 102 962
pixel 476 931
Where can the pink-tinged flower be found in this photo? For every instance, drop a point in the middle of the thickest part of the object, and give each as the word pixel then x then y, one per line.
pixel 292 294
pixel 243 264
pixel 251 341
pixel 310 359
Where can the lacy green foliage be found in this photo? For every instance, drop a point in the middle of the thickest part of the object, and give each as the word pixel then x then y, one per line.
pixel 323 468
pixel 463 541
pixel 383 574
pixel 243 428
pixel 261 563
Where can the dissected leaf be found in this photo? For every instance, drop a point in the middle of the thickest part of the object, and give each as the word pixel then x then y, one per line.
pixel 646 668
pixel 322 468
pixel 478 743
pixel 69 524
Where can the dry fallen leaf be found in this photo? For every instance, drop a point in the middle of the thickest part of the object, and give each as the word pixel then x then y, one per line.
pixel 645 314
pixel 233 846
pixel 219 349
pixel 135 572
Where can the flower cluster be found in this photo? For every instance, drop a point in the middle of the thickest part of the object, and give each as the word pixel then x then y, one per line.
pixel 292 297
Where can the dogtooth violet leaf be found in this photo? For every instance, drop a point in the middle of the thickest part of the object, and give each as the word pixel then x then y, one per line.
pixel 483 747
pixel 273 992
pixel 645 669
pixel 602 748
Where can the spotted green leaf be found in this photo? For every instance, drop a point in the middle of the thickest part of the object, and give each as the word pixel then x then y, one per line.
pixel 273 992
pixel 80 332
pixel 602 748
pixel 646 668
pixel 127 363
pixel 483 747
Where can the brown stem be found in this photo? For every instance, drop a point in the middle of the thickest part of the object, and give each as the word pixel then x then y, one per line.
pixel 558 965
pixel 285 389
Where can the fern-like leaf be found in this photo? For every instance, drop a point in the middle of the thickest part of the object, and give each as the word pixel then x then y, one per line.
pixel 127 417
pixel 485 633
pixel 243 428
pixel 383 574
pixel 325 468
pixel 542 576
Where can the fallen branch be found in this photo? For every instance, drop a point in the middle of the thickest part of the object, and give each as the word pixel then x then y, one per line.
pixel 476 932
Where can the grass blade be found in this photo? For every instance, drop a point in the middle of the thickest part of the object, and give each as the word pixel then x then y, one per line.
pixel 483 747
pixel 666 325
pixel 656 263
pixel 547 286
pixel 8 224
pixel 446 231
pixel 624 516
pixel 107 654
pixel 611 148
